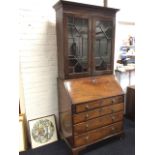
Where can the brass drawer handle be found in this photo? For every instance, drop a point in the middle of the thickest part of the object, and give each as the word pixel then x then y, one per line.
pixel 87 138
pixel 86 116
pixel 87 126
pixel 113 129
pixel 113 100
pixel 113 118
pixel 87 107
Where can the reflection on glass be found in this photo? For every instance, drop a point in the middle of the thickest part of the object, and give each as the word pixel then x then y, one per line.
pixel 103 45
pixel 77 45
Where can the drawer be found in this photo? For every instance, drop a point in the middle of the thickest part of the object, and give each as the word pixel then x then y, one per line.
pixel 113 100
pixel 99 103
pixel 81 117
pixel 101 133
pixel 97 123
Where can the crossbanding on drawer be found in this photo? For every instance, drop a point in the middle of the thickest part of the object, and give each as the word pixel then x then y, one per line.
pixel 98 134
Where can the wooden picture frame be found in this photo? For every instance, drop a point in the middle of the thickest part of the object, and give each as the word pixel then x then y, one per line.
pixel 43 131
pixel 22 134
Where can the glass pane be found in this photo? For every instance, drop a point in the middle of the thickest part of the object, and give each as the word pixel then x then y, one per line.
pixel 103 45
pixel 77 45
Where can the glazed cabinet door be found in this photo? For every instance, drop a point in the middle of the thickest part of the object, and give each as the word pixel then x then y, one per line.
pixel 103 46
pixel 77 44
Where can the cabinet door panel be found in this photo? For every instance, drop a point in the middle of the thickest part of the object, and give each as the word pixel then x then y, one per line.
pixel 103 42
pixel 77 45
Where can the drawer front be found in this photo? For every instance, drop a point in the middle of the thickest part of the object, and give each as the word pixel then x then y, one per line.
pixel 98 134
pixel 97 123
pixel 99 103
pixel 113 100
pixel 77 118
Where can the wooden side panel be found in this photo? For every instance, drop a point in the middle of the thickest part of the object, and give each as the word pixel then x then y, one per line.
pixel 60 44
pixel 65 113
pixel 130 103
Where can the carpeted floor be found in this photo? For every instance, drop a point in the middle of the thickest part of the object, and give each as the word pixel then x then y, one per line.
pixel 117 146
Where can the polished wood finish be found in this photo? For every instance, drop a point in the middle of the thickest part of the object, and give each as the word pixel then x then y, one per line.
pixel 99 87
pixel 91 102
pixel 65 113
pixel 79 121
pixel 99 103
pixel 98 134
pixel 130 102
pixel 77 118
pixel 97 123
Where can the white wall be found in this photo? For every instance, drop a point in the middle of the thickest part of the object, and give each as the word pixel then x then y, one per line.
pixel 38 57
pixel 38 53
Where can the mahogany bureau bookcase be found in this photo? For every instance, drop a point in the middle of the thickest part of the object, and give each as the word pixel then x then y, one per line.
pixel 91 102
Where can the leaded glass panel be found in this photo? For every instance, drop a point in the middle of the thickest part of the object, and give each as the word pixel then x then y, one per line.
pixel 77 44
pixel 103 45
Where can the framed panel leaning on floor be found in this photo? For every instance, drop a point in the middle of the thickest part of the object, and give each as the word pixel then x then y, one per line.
pixel 42 131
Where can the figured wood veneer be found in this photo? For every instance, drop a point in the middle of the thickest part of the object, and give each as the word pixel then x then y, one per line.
pixel 92 88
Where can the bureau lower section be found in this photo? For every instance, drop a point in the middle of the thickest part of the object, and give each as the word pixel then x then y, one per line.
pixel 91 126
pixel 87 118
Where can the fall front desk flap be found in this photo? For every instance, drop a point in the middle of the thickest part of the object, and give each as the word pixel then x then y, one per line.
pixel 92 88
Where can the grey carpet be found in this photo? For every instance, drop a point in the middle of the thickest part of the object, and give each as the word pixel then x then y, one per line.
pixel 117 146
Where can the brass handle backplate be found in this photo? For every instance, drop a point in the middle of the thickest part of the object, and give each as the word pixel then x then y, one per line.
pixel 86 116
pixel 87 106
